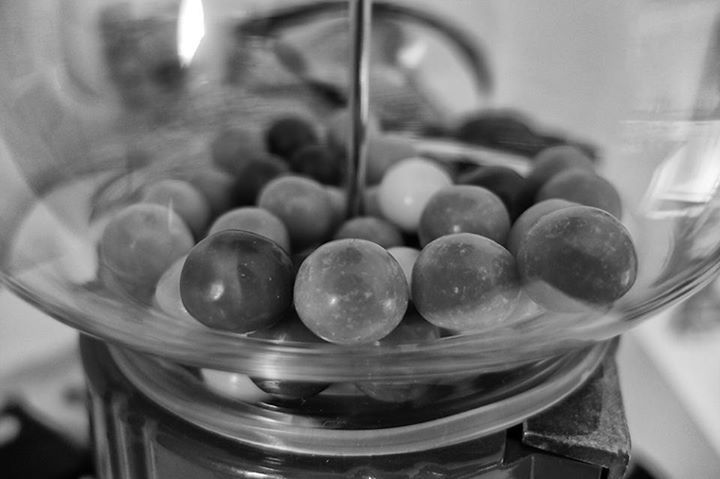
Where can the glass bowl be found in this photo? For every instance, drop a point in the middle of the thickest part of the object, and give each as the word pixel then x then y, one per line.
pixel 101 99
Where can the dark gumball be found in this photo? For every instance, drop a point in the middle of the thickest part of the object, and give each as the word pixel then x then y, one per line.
pixel 287 135
pixel 351 291
pixel 237 281
pixel 584 187
pixel 318 162
pixel 255 175
pixel 577 258
pixel 501 180
pixel 288 330
pixel 465 282
pixel 372 229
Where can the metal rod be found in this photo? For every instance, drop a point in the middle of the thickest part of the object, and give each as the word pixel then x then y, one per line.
pixel 358 103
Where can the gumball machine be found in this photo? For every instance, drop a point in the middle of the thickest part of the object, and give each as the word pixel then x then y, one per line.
pixel 357 239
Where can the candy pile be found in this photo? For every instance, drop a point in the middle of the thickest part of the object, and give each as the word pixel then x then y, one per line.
pixel 437 251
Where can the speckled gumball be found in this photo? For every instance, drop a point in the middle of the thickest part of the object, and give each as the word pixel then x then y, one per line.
pixel 465 282
pixel 351 291
pixel 464 209
pixel 237 281
pixel 577 258
pixel 303 205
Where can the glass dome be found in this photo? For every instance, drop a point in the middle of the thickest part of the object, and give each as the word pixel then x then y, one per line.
pixel 101 101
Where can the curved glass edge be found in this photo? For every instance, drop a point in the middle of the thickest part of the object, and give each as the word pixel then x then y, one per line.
pixel 265 428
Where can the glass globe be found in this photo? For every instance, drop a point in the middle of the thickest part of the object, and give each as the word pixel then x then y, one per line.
pixel 180 111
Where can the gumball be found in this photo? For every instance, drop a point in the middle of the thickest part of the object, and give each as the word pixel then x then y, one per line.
pixel 141 241
pixel 256 220
pixel 406 189
pixel 383 152
pixel 406 257
pixel 217 186
pixel 303 205
pixel 351 291
pixel 584 187
pixel 548 163
pixel 167 293
pixel 184 199
pixel 255 175
pixel 501 180
pixel 287 135
pixel 464 209
pixel 577 258
pixel 529 218
pixel 237 281
pixel 465 282
pixel 412 329
pixel 372 229
pixel 319 163
pixel 232 148
pixel 289 330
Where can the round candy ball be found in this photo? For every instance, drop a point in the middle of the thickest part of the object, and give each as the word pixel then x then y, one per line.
pixel 237 281
pixel 255 220
pixel 287 135
pixel 372 229
pixel 584 187
pixel 232 148
pixel 253 177
pixel 303 205
pixel 548 163
pixel 465 282
pixel 351 291
pixel 288 330
pixel 464 209
pixel 183 198
pixel 338 129
pixel 529 218
pixel 217 186
pixel 140 242
pixel 319 163
pixel 406 189
pixel 576 258
pixel 383 152
pixel 501 180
